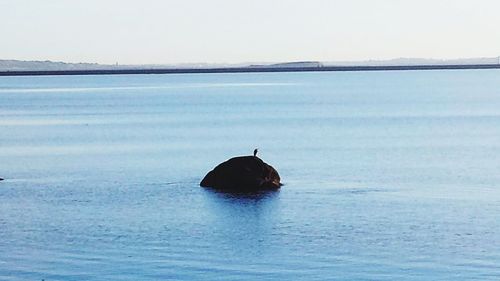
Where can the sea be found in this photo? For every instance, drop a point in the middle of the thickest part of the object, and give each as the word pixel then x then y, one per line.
pixel 388 175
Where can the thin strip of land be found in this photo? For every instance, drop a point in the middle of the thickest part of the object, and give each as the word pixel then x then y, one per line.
pixel 247 69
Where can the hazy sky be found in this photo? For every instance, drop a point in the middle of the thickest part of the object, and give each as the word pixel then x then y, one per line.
pixel 174 31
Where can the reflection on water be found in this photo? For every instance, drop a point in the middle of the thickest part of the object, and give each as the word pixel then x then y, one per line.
pixel 242 208
pixel 243 196
pixel 389 176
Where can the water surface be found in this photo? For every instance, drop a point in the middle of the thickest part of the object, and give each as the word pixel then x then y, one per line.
pixel 388 176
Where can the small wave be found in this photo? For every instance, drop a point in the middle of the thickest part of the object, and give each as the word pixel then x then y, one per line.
pixel 178 86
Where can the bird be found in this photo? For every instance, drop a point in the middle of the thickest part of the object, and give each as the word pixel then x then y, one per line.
pixel 255 152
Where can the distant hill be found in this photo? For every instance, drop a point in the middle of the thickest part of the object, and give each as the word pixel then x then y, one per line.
pixel 416 61
pixel 18 65
pixel 291 64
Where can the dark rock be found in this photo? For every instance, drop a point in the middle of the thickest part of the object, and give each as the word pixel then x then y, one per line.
pixel 245 173
pixel 1 179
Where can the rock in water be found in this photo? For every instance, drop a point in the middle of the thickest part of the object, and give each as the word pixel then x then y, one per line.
pixel 245 173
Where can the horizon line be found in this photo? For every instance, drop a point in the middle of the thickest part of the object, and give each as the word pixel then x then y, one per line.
pixel 259 62
pixel 250 70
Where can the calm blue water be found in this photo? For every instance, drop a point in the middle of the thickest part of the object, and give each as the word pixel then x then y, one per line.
pixel 388 176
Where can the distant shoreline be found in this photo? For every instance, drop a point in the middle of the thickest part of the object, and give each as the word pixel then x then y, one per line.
pixel 247 70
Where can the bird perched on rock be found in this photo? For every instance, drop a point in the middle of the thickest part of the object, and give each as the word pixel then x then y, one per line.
pixel 255 152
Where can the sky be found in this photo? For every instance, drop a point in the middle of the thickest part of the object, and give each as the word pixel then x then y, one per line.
pixel 234 31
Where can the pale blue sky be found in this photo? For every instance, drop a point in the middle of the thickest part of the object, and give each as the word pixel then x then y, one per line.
pixel 175 31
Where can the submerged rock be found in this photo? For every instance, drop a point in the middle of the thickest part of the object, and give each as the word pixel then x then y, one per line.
pixel 244 173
